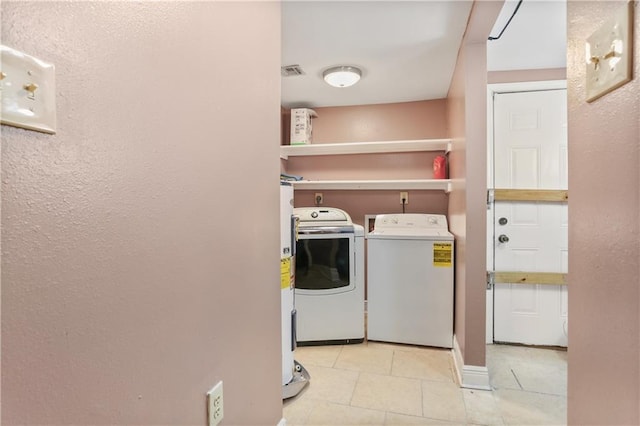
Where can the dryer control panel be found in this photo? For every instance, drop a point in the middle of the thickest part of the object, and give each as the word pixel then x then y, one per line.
pixel 315 214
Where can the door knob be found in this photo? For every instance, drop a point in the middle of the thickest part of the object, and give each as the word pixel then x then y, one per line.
pixel 503 238
pixel 503 221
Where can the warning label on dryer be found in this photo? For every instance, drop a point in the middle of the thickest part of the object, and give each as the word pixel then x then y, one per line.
pixel 442 254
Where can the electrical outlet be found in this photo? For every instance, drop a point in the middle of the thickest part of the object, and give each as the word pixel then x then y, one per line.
pixel 404 196
pixel 319 198
pixel 215 404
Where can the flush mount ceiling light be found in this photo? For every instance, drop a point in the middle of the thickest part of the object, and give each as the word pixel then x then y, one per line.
pixel 342 76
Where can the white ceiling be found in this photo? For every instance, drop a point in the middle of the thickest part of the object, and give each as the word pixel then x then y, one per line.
pixel 536 37
pixel 406 49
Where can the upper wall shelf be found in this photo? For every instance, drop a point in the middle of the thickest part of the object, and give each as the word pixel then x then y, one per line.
pixel 287 151
pixel 412 184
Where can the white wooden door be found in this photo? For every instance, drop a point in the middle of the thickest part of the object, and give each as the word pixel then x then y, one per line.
pixel 530 152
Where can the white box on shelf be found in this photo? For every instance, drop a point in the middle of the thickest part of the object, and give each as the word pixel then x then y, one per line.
pixel 301 127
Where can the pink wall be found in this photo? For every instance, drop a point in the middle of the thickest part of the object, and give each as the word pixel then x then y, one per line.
pixel 517 76
pixel 407 165
pixel 127 236
pixel 604 253
pixel 467 201
pixel 457 198
pixel 384 122
pixel 360 203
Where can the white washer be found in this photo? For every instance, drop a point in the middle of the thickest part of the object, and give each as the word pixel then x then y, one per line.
pixel 410 280
pixel 329 294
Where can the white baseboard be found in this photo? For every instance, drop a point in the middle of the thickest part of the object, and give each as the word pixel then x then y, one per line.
pixel 282 422
pixel 469 376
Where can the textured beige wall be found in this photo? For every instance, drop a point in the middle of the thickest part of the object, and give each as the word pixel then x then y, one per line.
pixel 467 202
pixel 604 252
pixel 140 245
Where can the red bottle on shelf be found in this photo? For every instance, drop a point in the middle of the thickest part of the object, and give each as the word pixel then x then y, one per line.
pixel 440 167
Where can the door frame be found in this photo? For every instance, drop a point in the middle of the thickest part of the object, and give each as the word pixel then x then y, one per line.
pixel 492 90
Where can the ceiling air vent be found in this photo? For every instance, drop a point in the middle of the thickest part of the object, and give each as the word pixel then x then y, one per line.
pixel 291 70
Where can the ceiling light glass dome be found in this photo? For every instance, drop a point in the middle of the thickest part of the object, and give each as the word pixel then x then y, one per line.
pixel 342 76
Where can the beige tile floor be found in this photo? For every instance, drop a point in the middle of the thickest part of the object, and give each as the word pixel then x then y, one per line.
pixel 387 384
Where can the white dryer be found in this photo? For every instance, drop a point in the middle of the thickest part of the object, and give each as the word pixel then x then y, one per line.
pixel 410 280
pixel 329 276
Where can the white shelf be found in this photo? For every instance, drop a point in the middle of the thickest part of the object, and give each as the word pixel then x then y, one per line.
pixel 413 184
pixel 287 151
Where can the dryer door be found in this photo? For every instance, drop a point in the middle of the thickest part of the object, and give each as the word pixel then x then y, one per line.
pixel 325 264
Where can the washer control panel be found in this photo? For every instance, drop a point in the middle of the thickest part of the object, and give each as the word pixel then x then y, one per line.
pixel 411 221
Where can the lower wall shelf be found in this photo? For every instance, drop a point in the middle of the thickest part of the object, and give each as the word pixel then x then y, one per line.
pixel 412 184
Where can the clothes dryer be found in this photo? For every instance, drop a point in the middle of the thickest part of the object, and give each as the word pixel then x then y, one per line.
pixel 329 275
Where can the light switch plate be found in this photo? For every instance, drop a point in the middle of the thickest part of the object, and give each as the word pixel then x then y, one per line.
pixel 28 91
pixel 609 54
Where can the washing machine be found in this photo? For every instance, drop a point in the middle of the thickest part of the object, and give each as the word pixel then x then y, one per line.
pixel 329 276
pixel 410 280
